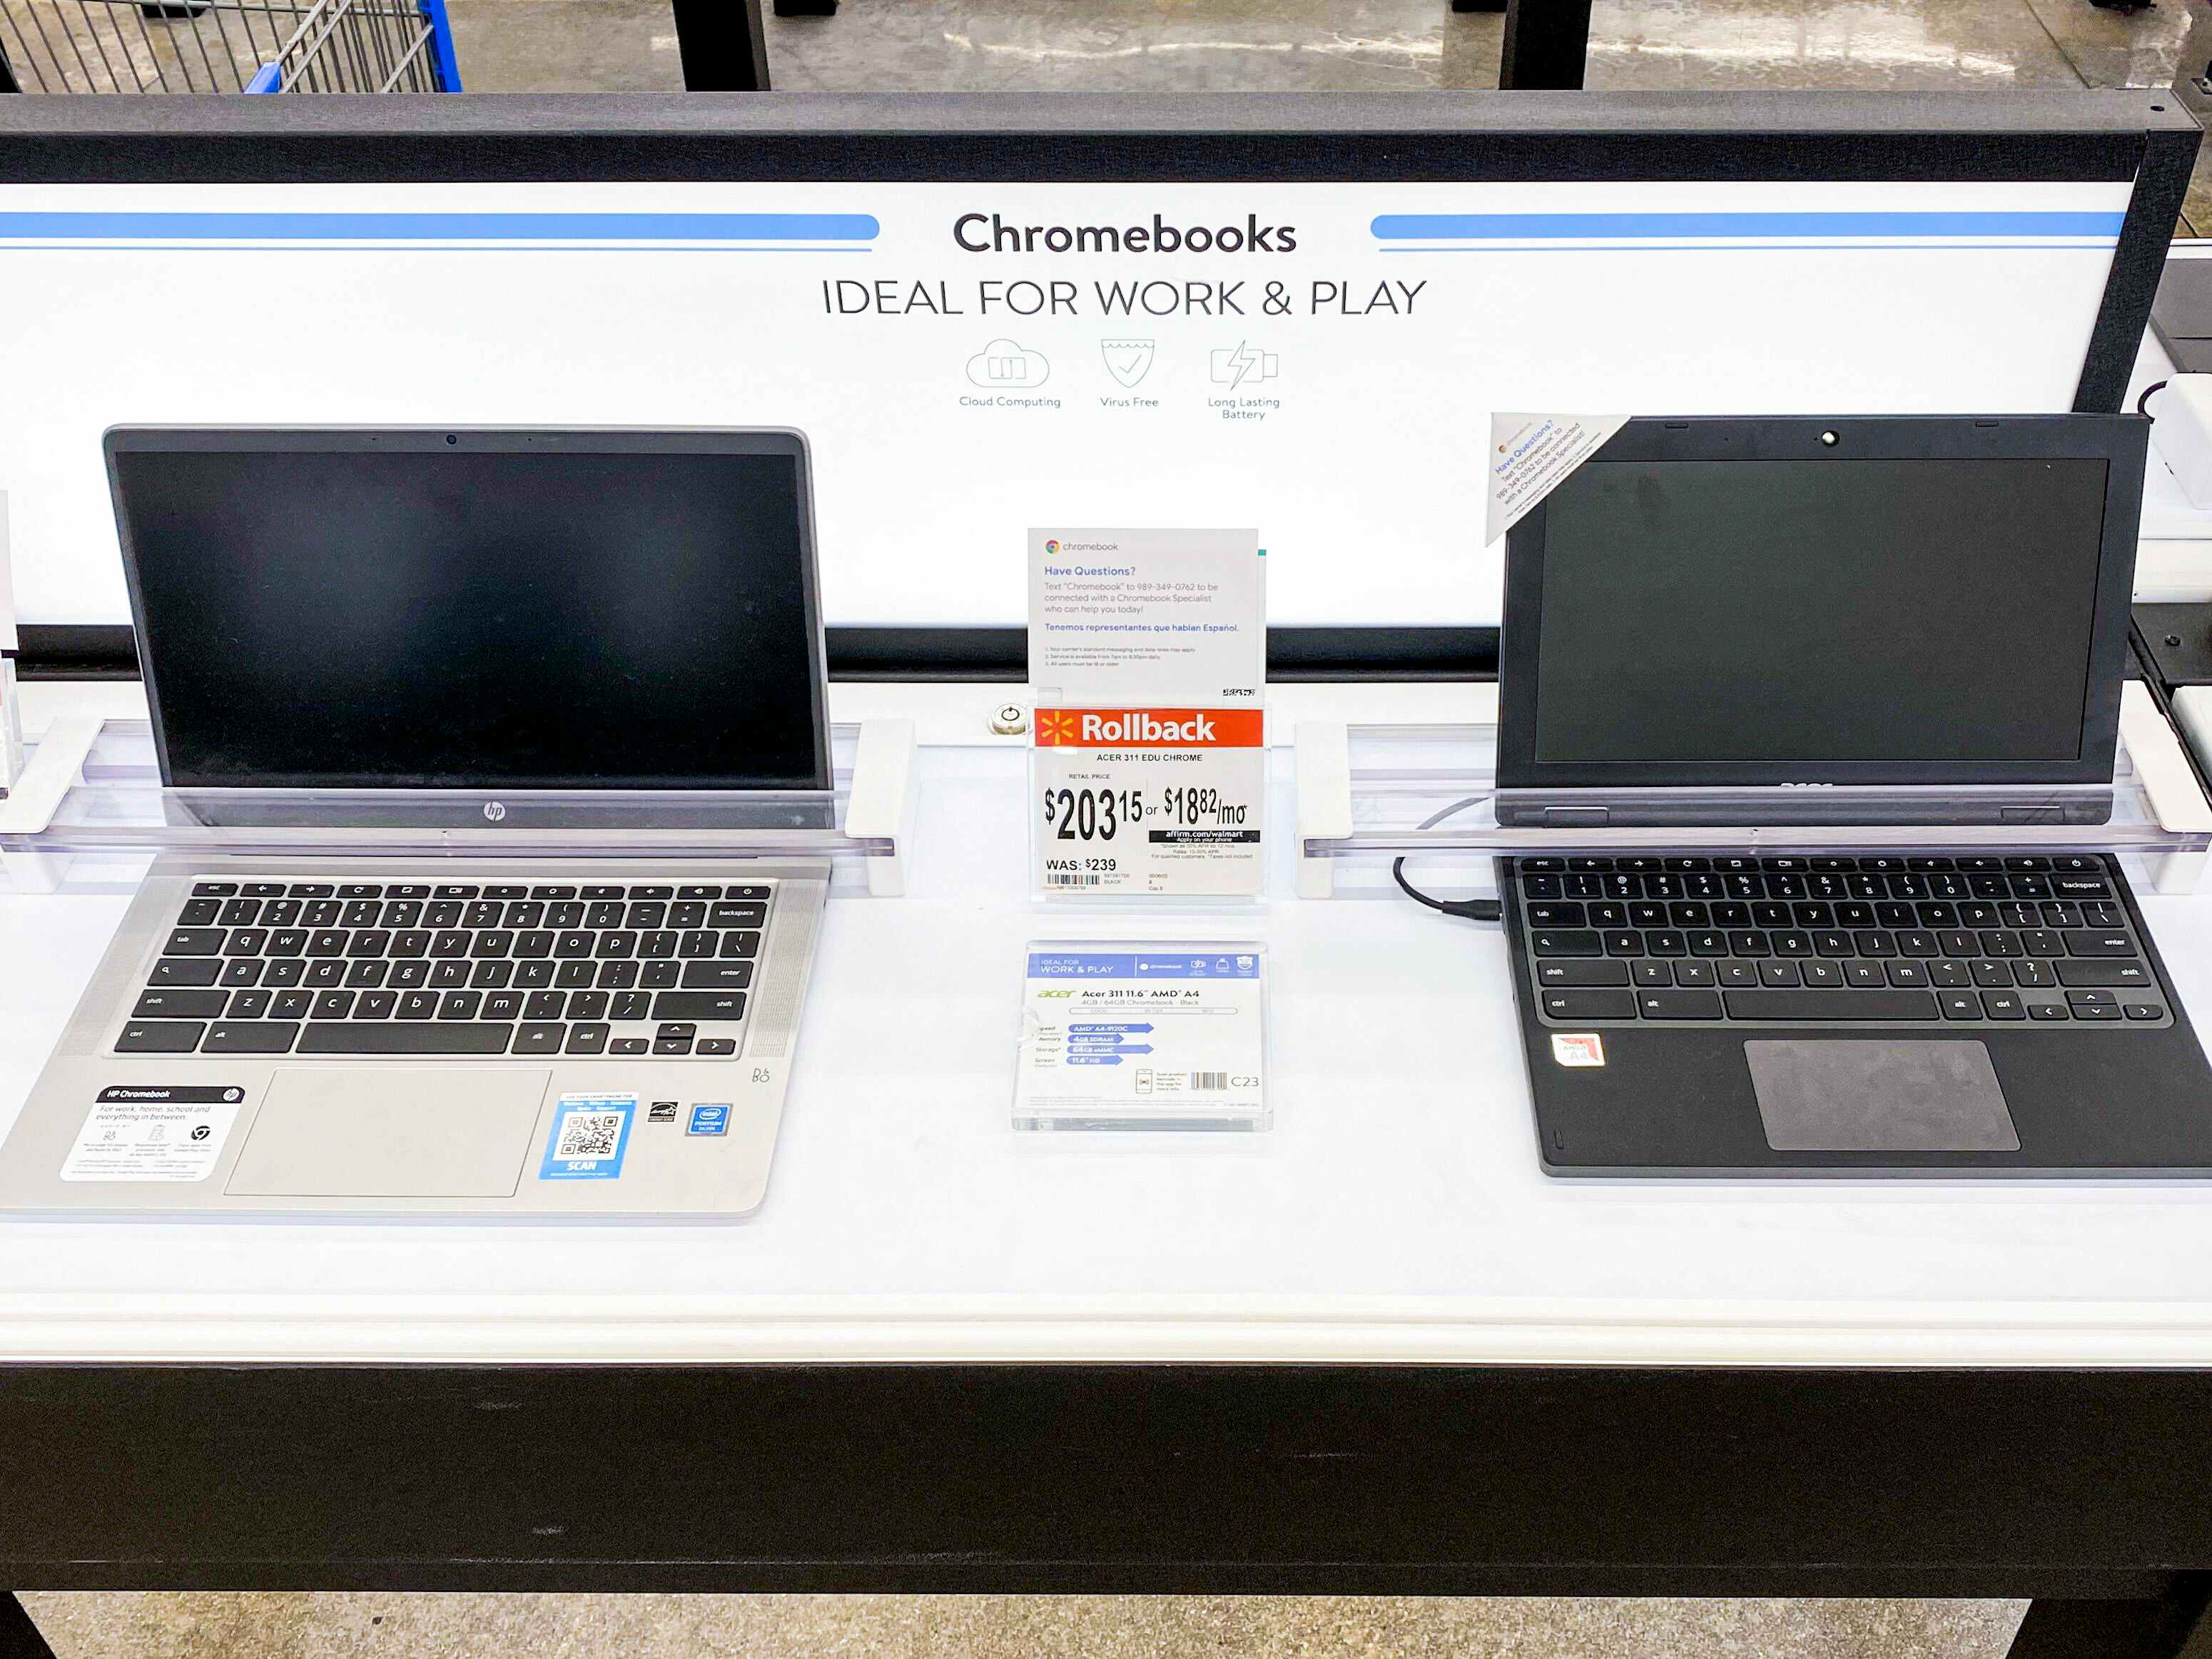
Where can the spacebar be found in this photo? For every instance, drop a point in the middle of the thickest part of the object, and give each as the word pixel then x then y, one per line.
pixel 334 1037
pixel 1831 1004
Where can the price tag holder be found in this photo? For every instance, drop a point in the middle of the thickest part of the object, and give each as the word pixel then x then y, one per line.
pixel 1148 664
pixel 1144 1034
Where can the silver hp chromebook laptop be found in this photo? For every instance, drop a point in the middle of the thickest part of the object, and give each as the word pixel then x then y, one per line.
pixel 366 641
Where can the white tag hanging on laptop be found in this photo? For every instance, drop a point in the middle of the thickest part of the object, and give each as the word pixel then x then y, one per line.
pixel 1148 662
pixel 1531 455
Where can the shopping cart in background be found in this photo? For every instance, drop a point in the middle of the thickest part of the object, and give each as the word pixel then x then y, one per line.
pixel 226 45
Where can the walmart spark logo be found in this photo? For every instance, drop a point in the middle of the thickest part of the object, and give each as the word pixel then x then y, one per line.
pixel 1055 726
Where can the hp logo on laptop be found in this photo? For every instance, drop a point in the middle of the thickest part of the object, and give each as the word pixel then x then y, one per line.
pixel 493 812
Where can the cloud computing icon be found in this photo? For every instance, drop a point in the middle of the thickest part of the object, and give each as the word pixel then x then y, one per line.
pixel 1008 363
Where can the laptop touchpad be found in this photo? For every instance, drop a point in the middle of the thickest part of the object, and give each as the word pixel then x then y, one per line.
pixel 1872 1097
pixel 391 1132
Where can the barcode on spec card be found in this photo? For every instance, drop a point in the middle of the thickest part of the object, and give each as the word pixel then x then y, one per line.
pixel 1070 879
pixel 1214 1081
pixel 589 1134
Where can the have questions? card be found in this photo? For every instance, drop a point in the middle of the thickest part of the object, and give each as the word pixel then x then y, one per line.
pixel 1148 662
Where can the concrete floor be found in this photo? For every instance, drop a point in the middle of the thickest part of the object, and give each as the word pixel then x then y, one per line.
pixel 1377 46
pixel 1005 1627
pixel 1410 46
pixel 1185 44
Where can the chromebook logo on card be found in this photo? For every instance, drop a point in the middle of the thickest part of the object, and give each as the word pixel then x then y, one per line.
pixel 1050 549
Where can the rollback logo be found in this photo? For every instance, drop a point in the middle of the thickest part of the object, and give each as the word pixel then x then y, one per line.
pixel 1142 725
pixel 990 233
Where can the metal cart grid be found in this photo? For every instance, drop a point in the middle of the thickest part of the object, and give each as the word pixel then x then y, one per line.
pixel 202 46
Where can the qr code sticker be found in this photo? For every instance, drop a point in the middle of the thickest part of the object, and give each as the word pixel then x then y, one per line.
pixel 589 1134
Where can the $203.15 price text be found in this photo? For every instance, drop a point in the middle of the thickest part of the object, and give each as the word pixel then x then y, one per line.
pixel 1100 814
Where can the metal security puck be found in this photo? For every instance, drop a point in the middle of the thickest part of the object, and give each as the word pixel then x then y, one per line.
pixel 1011 720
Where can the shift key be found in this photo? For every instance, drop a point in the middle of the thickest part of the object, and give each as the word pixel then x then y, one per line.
pixel 1568 972
pixel 699 1005
pixel 2106 972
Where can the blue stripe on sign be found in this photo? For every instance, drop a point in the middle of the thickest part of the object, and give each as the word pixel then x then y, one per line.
pixel 443 227
pixel 1644 226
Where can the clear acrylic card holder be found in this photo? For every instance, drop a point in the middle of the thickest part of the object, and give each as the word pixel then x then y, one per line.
pixel 1370 795
pixel 92 796
pixel 1147 1035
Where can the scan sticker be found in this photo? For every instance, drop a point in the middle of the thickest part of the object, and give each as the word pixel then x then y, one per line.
pixel 1148 661
pixel 590 1134
pixel 1578 1047
pixel 154 1131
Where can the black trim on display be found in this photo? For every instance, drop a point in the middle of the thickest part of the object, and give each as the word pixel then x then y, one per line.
pixel 108 651
pixel 2138 262
pixel 75 651
pixel 1083 1477
pixel 1058 137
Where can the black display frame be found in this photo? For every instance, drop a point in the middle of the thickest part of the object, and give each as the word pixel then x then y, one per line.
pixel 782 443
pixel 2146 137
pixel 2120 442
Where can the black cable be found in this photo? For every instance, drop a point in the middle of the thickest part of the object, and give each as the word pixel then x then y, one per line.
pixel 1466 909
pixel 1470 909
pixel 2155 386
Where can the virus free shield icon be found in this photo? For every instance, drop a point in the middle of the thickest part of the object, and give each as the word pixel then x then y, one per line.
pixel 1128 360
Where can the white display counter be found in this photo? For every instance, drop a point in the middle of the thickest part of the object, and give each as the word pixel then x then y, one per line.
pixel 1394 1212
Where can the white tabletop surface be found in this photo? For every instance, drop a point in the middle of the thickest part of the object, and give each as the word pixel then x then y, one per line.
pixel 1395 1211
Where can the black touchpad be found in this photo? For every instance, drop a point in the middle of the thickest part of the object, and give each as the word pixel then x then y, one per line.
pixel 1859 1097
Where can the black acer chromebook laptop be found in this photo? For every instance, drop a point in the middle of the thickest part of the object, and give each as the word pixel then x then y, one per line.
pixel 1856 620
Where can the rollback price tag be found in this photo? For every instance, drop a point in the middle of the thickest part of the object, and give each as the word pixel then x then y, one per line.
pixel 1148 657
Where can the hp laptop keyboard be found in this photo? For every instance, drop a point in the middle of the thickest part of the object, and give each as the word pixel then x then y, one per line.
pixel 1835 940
pixel 368 967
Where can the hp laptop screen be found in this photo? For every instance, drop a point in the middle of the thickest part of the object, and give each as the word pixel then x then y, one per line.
pixel 1819 611
pixel 420 610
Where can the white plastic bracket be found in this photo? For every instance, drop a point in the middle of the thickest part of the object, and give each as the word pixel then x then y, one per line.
pixel 2168 780
pixel 11 711
pixel 886 793
pixel 55 766
pixel 1324 783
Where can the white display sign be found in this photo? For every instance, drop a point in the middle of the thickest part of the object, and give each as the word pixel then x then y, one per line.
pixel 1148 665
pixel 969 359
pixel 1127 1036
